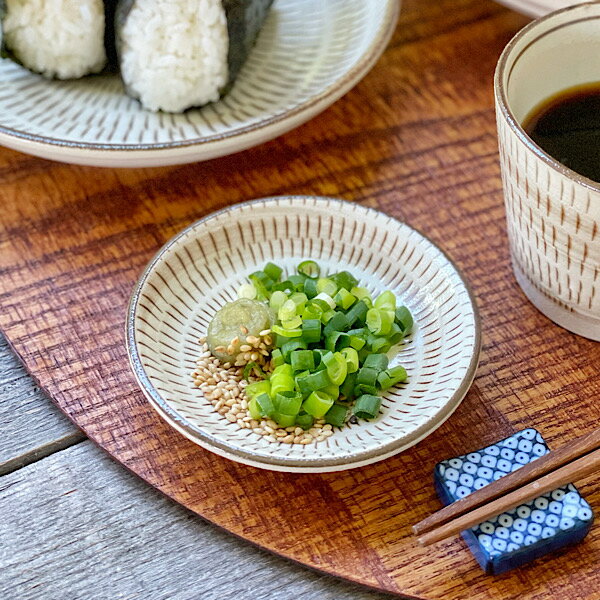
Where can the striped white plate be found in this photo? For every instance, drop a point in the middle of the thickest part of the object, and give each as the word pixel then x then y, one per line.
pixel 538 8
pixel 202 268
pixel 308 55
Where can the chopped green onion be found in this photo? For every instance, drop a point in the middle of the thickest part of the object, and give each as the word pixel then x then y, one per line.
pixel 282 383
pixel 336 367
pixel 331 390
pixel 247 290
pixel 287 310
pixel 310 288
pixel 298 282
pixel 293 323
pixel 367 376
pixel 347 388
pixel 311 312
pixel 396 334
pixel 367 406
pixel 363 353
pixel 315 381
pixel 379 321
pixel 357 313
pixel 317 404
pixel 345 280
pixel 404 318
pixel 273 271
pixel 286 333
pixel 327 316
pixel 284 420
pixel 319 303
pixel 319 353
pixel 262 282
pixel 326 286
pixel 288 403
pixel 380 344
pixel 299 299
pixel 351 357
pixel 311 331
pixel 363 388
pixel 357 342
pixel 309 268
pixel 386 300
pixel 344 299
pixel 384 381
pixel 277 300
pixel 254 410
pixel 265 405
pixel 325 298
pixel 284 286
pixel 290 346
pixel 336 341
pixel 259 387
pixel 397 374
pixel 336 415
pixel 379 362
pixel 284 369
pixel 302 360
pixel 362 293
pixel 277 358
pixel 305 421
pixel 337 323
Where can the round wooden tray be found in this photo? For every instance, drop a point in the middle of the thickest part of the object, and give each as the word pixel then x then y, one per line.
pixel 416 139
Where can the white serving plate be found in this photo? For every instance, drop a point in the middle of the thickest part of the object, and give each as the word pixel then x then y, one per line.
pixel 201 268
pixel 309 54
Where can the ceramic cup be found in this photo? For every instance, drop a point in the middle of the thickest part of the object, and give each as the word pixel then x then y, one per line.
pixel 553 214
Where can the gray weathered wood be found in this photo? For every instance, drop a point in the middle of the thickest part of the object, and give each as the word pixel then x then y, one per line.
pixel 32 427
pixel 75 525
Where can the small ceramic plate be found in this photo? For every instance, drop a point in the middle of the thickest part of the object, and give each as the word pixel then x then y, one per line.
pixel 309 54
pixel 202 268
pixel 538 8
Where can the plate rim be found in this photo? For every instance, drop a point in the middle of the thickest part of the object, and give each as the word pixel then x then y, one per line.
pixel 328 96
pixel 209 442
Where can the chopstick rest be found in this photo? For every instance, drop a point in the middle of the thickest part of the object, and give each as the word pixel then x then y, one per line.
pixel 546 524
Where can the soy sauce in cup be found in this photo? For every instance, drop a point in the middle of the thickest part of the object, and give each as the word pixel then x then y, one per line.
pixel 567 127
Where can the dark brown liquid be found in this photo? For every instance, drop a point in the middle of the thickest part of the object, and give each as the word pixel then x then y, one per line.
pixel 567 127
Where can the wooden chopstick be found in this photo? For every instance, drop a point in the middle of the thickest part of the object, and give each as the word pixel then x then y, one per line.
pixel 511 490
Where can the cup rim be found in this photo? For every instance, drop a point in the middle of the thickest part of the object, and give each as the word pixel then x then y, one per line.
pixel 504 106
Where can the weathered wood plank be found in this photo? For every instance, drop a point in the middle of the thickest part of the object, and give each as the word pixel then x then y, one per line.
pixel 32 427
pixel 76 525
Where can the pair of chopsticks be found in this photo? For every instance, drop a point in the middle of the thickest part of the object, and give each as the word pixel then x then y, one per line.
pixel 573 461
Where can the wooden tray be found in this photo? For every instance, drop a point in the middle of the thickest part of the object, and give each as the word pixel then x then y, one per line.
pixel 415 139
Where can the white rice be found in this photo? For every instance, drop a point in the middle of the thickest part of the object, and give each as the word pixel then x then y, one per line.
pixel 174 53
pixel 57 38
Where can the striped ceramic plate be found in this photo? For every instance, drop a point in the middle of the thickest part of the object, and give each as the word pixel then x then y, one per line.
pixel 202 268
pixel 308 55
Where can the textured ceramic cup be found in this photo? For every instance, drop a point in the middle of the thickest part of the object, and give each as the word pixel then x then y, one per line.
pixel 553 214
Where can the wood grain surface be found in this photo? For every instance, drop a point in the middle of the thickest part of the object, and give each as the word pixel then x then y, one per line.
pixel 415 139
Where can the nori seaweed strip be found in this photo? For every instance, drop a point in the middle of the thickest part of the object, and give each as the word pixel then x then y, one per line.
pixel 122 11
pixel 110 46
pixel 3 52
pixel 244 21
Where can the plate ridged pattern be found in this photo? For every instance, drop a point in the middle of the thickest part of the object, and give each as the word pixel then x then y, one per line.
pixel 203 268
